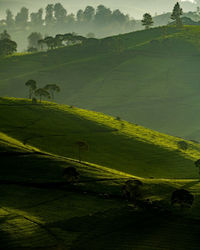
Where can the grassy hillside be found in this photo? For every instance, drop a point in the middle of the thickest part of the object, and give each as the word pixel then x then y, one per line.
pixel 112 143
pixel 154 81
pixel 38 209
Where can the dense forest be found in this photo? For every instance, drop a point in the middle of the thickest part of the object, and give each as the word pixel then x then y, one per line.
pixel 56 19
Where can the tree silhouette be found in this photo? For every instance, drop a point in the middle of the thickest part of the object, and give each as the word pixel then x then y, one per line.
pixel 71 174
pixel 82 146
pixel 52 88
pixel 42 93
pixel 60 13
pixel 36 18
pixel 21 18
pixel 9 18
pixel 5 35
pixel 176 14
pixel 32 87
pixel 33 39
pixel 147 20
pixel 49 18
pixel 7 47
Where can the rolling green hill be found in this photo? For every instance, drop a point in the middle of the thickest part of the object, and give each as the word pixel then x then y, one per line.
pixel 148 77
pixel 39 210
pixel 113 143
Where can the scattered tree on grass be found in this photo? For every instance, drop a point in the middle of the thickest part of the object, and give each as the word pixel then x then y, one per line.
pixel 7 46
pixel 42 93
pixel 33 39
pixel 82 146
pixel 182 145
pixel 176 15
pixel 147 20
pixel 32 85
pixel 132 190
pixel 197 164
pixel 71 175
pixel 182 198
pixel 52 88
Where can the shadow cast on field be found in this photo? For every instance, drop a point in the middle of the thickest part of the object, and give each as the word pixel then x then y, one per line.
pixel 126 229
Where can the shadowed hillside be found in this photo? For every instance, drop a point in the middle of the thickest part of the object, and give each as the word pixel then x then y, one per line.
pixel 39 209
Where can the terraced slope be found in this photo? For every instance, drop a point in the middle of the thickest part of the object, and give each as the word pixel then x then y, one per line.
pixel 113 143
pixel 146 77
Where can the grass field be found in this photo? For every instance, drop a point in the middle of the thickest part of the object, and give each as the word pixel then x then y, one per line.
pixel 112 143
pixel 153 82
pixel 39 210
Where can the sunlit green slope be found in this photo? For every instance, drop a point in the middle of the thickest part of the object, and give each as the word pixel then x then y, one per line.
pixel 112 143
pixel 39 210
pixel 150 77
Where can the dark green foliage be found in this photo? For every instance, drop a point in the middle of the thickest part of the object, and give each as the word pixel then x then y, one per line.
pixel 176 14
pixel 147 20
pixel 33 40
pixel 52 88
pixel 7 47
pixel 5 35
pixel 132 190
pixel 182 198
pixel 32 85
pixel 71 174
pixel 41 92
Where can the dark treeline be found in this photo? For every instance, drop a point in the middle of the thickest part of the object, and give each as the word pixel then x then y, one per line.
pixel 55 19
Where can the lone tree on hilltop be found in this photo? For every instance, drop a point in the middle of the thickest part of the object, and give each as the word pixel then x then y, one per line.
pixel 42 93
pixel 82 146
pixel 32 87
pixel 52 88
pixel 176 15
pixel 147 20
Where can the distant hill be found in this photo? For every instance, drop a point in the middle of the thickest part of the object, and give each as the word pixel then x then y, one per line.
pixel 153 81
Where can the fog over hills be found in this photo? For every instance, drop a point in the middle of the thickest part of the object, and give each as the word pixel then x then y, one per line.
pixel 135 8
